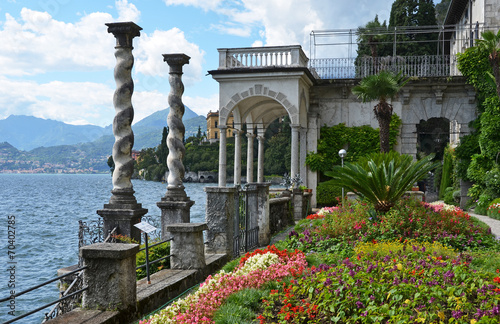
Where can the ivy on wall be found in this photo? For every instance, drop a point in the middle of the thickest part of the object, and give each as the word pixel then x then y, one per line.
pixel 359 141
pixel 478 153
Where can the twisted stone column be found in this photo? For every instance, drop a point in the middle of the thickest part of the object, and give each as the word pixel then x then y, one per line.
pixel 175 205
pixel 123 211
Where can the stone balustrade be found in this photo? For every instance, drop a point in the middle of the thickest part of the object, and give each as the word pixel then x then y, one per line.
pixel 262 57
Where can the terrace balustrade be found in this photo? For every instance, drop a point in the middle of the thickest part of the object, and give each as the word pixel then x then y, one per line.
pixel 336 68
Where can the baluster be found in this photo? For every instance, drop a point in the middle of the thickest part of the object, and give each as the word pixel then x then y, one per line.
pixel 281 58
pixel 260 59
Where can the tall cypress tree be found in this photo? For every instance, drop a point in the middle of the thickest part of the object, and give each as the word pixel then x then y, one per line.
pixel 372 39
pixel 413 13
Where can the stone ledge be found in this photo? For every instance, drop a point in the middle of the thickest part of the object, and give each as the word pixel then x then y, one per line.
pixel 187 227
pixel 165 286
pixel 221 189
pixel 109 250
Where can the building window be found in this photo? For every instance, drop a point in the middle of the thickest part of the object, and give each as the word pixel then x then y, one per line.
pixel 215 124
pixel 215 135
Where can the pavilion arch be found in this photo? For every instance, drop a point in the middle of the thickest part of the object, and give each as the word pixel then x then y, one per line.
pixel 258 95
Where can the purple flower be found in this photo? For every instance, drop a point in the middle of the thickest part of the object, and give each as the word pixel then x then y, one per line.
pixel 360 304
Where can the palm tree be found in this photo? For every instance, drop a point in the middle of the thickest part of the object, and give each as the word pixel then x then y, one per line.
pixel 491 43
pixel 382 178
pixel 382 86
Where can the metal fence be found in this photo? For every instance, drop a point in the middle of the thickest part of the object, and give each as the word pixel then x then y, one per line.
pixel 246 236
pixel 411 66
pixel 64 304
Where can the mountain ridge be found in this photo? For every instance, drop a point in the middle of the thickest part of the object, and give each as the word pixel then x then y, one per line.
pixel 26 133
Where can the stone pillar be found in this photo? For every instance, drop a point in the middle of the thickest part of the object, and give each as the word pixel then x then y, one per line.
pixel 260 159
pixel 302 155
pixel 220 214
pixel 186 248
pixel 110 276
pixel 222 156
pixel 237 157
pixel 295 151
pixel 298 204
pixel 258 210
pixel 175 205
pixel 123 211
pixel 250 137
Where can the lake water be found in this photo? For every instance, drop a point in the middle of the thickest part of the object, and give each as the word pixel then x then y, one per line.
pixel 46 209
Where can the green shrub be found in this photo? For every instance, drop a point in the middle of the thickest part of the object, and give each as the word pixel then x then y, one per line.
pixel 328 194
pixel 451 196
pixel 446 176
pixel 155 252
pixel 493 210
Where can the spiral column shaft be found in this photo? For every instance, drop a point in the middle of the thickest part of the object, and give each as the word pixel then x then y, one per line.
pixel 123 211
pixel 175 205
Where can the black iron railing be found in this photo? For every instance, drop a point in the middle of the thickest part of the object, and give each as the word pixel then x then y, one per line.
pixel 69 297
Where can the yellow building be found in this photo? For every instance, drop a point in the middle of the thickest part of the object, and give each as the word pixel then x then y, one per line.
pixel 213 132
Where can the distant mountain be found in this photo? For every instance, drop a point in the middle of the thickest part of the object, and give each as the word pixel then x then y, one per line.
pixel 82 155
pixel 27 133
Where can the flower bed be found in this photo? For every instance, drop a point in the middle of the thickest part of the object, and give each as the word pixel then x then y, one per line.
pixel 414 286
pixel 401 267
pixel 254 270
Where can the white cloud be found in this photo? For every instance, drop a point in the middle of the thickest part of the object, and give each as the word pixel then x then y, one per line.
pixel 285 22
pixel 127 11
pixel 202 105
pixel 37 43
pixel 204 4
pixel 149 50
pixel 70 102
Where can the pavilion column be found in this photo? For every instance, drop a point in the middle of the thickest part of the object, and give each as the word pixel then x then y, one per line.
pixel 260 160
pixel 250 137
pixel 222 155
pixel 303 154
pixel 237 157
pixel 295 151
pixel 123 211
pixel 175 205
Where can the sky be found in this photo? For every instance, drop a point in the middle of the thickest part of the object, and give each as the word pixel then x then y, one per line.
pixel 57 58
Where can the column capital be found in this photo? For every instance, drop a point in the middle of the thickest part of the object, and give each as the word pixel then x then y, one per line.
pixel 250 135
pixel 295 126
pixel 260 138
pixel 238 132
pixel 176 61
pixel 222 127
pixel 124 32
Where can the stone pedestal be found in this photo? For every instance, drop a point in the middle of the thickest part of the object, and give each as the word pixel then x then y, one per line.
pixel 175 208
pixel 220 213
pixel 464 189
pixel 186 248
pixel 110 276
pixel 258 210
pixel 122 212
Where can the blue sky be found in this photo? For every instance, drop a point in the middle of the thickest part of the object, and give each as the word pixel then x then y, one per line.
pixel 57 59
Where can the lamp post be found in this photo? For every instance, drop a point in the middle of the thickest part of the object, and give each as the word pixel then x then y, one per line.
pixel 342 154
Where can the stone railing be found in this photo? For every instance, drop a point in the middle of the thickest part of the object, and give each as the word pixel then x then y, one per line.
pixel 412 66
pixel 262 57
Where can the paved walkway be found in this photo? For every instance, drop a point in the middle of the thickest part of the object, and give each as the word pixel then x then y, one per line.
pixel 494 224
